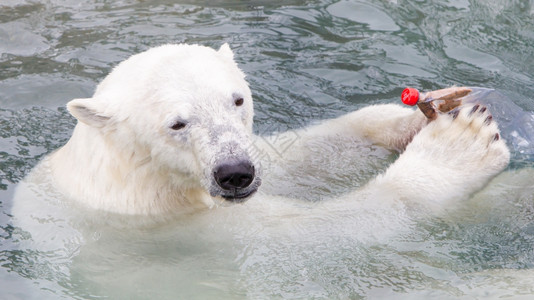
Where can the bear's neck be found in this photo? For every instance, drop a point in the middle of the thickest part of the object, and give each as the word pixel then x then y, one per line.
pixel 91 170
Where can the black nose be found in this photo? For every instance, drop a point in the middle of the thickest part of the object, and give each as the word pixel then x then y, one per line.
pixel 231 176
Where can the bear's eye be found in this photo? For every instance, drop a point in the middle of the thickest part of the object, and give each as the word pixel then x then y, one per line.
pixel 178 125
pixel 239 102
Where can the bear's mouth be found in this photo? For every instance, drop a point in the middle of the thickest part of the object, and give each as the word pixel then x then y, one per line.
pixel 238 196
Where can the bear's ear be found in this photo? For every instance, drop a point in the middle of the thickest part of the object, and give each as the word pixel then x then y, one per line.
pixel 226 51
pixel 89 111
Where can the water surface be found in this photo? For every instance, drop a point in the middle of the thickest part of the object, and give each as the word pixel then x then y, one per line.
pixel 305 61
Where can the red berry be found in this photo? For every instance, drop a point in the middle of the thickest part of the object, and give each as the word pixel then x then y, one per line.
pixel 410 96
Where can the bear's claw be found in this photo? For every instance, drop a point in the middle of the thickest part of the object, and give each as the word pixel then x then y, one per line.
pixel 454 113
pixel 488 120
pixel 475 108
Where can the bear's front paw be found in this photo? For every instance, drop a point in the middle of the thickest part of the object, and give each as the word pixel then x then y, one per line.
pixel 465 138
pixel 451 158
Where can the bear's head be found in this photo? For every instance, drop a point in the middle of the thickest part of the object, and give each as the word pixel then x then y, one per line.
pixel 180 111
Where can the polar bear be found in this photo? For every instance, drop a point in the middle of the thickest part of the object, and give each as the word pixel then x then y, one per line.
pixel 169 130
pixel 169 133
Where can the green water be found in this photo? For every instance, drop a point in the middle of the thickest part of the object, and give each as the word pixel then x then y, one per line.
pixel 305 61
